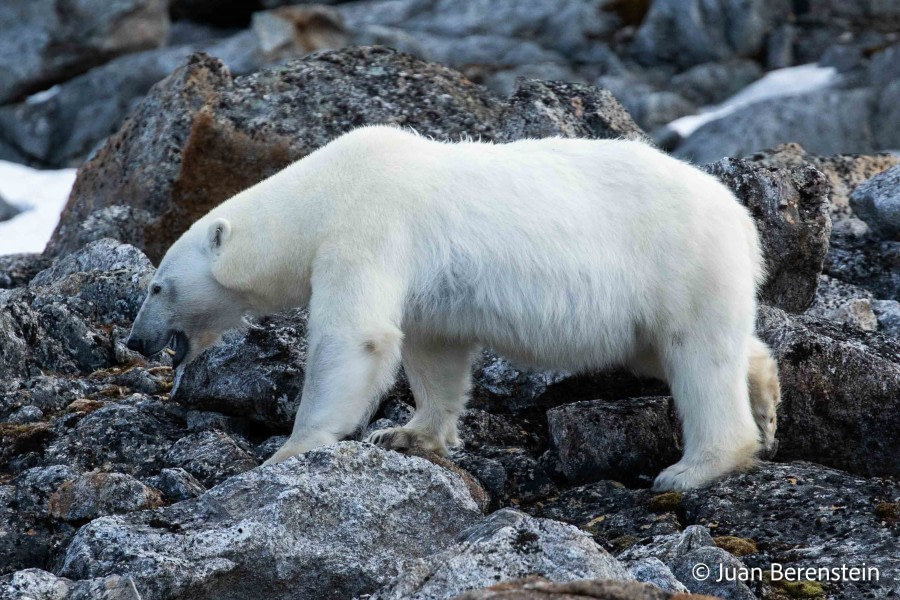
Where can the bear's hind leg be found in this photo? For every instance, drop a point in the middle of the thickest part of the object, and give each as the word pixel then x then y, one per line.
pixel 709 383
pixel 765 393
pixel 439 374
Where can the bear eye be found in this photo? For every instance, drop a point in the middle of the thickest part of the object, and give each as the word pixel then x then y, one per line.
pixel 156 289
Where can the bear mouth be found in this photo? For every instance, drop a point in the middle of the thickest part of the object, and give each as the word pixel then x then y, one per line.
pixel 181 345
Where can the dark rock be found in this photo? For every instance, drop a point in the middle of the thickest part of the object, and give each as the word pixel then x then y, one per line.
pixel 510 475
pixel 699 31
pixel 210 456
pixel 791 210
pixel 623 440
pixel 506 545
pixel 713 82
pixel 26 414
pixel 177 484
pixel 539 589
pixel 200 136
pixel 888 314
pixel 804 515
pixel 17 270
pixel 840 391
pixel 877 202
pixel 42 43
pixel 96 494
pixel 616 516
pixel 849 127
pixel 843 303
pixel 333 523
pixel 867 263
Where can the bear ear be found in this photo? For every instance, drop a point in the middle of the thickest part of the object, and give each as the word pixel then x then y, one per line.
pixel 217 235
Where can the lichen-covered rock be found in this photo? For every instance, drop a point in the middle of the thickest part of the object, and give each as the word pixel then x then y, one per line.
pixel 35 584
pixel 616 516
pixel 506 545
pixel 614 439
pixel 42 42
pixel 201 136
pixel 716 560
pixel 877 202
pixel 96 494
pixel 791 210
pixel 840 392
pixel 333 523
pixel 868 263
pixel 177 484
pixel 805 515
pixel 844 303
pixel 596 589
pixel 17 269
pixel 210 456
pixel 654 571
pixel 510 475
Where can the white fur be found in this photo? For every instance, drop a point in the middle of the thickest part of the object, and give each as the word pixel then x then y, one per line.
pixel 558 253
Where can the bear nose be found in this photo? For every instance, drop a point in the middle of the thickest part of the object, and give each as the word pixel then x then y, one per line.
pixel 134 344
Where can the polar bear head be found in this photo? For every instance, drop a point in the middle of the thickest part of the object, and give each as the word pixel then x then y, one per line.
pixel 186 303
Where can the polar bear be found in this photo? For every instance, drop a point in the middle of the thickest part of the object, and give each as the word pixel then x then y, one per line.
pixel 566 254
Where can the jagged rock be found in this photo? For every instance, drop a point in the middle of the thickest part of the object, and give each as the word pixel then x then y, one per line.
pixel 867 263
pixel 697 31
pixel 877 202
pixel 616 516
pixel 17 269
pixel 622 440
pixel 200 136
pixel 805 515
pixel 177 484
pixel 791 210
pixel 852 120
pixel 333 523
pixel 840 392
pixel 41 585
pixel 69 318
pixel 506 545
pixel 96 494
pixel 599 589
pixel 210 456
pixel 844 303
pixel 42 43
pixel 844 171
pixel 29 537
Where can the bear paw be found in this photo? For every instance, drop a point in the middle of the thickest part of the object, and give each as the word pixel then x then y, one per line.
pixel 685 475
pixel 405 438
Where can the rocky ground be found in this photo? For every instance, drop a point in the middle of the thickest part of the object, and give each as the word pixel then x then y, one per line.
pixel 121 480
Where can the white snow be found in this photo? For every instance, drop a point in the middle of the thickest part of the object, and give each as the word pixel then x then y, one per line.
pixel 779 83
pixel 42 195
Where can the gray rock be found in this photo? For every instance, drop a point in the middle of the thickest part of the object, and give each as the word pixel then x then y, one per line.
pixel 334 523
pixel 177 484
pixel 867 263
pixel 42 43
pixel 26 414
pixel 671 547
pixel 877 202
pixel 687 33
pixel 715 560
pixel 506 545
pixel 654 571
pixel 843 303
pixel 617 517
pixel 791 210
pixel 17 270
pixel 888 314
pixel 508 474
pixel 846 416
pixel 850 126
pixel 200 129
pixel 537 588
pixel 712 82
pixel 35 584
pixel 622 440
pixel 7 210
pixel 805 515
pixel 96 494
pixel 210 456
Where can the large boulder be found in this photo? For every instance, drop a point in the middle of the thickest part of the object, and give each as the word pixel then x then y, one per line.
pixel 791 210
pixel 201 136
pixel 334 523
pixel 506 545
pixel 43 42
pixel 877 202
pixel 840 393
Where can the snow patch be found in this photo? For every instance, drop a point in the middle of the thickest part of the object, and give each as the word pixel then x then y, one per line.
pixel 791 81
pixel 41 195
